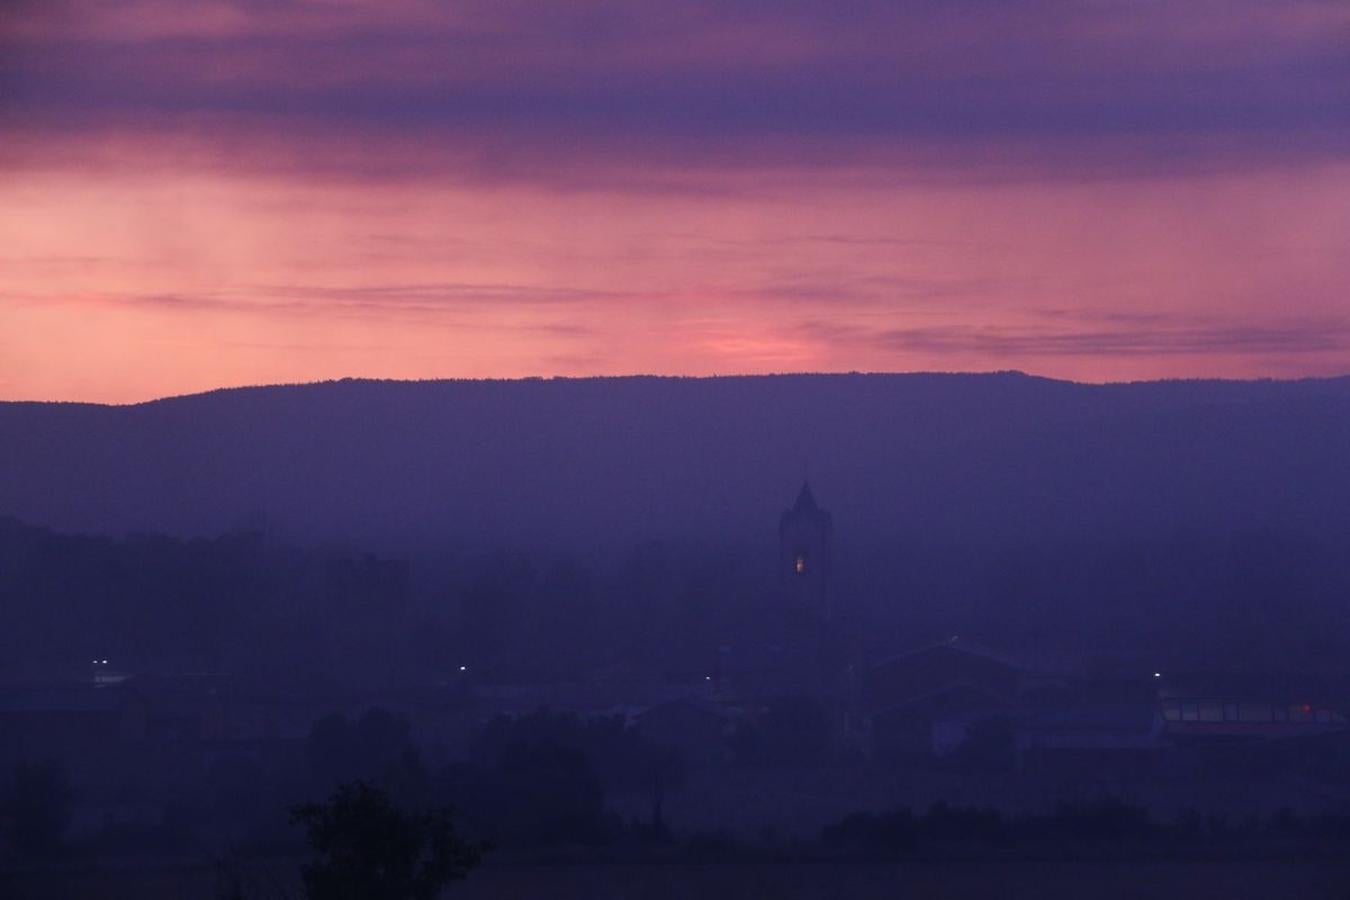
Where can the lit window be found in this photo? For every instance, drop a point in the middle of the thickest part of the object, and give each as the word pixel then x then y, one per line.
pixel 799 566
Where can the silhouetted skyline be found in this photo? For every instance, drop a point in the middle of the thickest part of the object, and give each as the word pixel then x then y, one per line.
pixel 885 448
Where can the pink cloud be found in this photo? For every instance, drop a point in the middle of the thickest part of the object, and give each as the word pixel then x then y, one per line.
pixel 238 192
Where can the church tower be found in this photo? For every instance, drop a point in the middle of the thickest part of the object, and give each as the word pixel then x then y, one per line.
pixel 805 539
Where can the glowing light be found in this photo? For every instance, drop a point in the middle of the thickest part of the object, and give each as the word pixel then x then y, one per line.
pixel 1157 674
pixel 800 565
pixel 464 668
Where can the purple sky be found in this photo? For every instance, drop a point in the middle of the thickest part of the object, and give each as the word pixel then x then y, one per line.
pixel 198 194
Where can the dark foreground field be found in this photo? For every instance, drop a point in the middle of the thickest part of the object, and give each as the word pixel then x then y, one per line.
pixel 1307 880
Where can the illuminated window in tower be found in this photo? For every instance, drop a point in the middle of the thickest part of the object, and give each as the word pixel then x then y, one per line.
pixel 799 564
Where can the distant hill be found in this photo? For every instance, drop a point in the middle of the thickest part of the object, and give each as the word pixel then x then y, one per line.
pixel 595 462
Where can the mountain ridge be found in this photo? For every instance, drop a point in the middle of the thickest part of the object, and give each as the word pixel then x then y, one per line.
pixel 530 379
pixel 582 462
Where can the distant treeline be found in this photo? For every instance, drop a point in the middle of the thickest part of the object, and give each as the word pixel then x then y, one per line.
pixel 529 783
pixel 257 607
pixel 272 614
pixel 1076 827
pixel 237 604
pixel 542 784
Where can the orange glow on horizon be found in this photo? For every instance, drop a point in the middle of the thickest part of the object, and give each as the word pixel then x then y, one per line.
pixel 124 287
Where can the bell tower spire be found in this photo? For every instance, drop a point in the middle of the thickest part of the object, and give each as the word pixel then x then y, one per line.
pixel 805 549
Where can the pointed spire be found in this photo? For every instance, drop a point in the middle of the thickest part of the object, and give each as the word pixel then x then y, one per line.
pixel 806 501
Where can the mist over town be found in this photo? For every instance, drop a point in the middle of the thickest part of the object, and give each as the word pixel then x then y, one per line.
pixel 635 449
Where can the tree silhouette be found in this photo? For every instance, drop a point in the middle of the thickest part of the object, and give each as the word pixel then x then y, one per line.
pixel 367 848
pixel 38 806
pixel 565 763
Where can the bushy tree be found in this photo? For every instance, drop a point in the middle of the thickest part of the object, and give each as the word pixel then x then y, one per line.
pixel 617 756
pixel 376 748
pixel 367 848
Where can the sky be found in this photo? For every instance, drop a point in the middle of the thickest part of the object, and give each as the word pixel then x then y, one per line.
pixel 207 193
